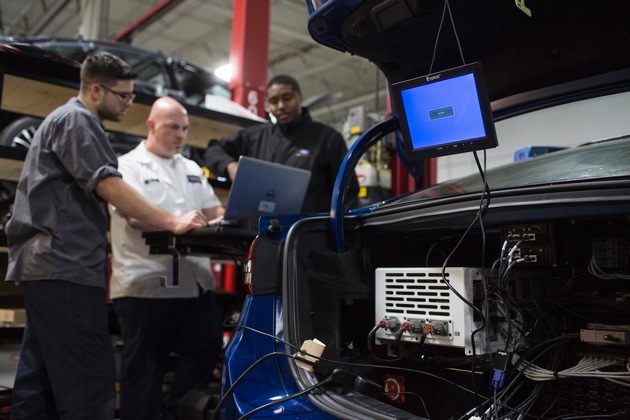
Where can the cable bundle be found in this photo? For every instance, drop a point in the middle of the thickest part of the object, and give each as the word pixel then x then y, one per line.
pixel 587 367
pixel 595 270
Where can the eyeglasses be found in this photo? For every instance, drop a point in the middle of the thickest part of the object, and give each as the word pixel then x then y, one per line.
pixel 124 96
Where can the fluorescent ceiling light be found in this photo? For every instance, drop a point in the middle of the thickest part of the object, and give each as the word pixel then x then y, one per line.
pixel 224 72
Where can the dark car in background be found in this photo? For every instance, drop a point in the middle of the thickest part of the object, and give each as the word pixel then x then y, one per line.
pixel 499 294
pixel 158 73
pixel 29 61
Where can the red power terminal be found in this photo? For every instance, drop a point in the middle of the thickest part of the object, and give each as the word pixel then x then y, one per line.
pixel 394 388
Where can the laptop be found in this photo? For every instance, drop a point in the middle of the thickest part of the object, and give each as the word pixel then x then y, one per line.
pixel 263 188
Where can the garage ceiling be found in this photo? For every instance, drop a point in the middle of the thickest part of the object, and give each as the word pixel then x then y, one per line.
pixel 199 31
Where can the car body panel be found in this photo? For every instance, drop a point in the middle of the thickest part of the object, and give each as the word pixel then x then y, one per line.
pixel 555 43
pixel 268 359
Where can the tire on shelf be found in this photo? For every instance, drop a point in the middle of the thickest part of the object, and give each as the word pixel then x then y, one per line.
pixel 19 133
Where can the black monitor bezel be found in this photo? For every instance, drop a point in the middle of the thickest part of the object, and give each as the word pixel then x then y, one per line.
pixel 479 143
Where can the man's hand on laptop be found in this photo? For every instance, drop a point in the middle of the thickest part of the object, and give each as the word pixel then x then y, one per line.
pixel 188 221
pixel 215 221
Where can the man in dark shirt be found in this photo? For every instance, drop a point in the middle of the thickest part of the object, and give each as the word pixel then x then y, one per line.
pixel 295 140
pixel 57 237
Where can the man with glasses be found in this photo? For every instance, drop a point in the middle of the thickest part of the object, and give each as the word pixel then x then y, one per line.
pixel 57 237
pixel 125 97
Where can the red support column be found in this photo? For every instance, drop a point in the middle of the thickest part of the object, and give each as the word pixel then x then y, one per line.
pixel 401 181
pixel 429 173
pixel 249 53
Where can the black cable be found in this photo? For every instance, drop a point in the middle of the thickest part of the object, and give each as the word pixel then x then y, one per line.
pixel 339 363
pixel 398 339
pixel 485 193
pixel 245 373
pixel 445 265
pixel 257 362
pixel 546 347
pixel 437 38
pixel 482 211
pixel 370 337
pixel 424 406
pixel 434 244
pixel 482 172
pixel 447 6
pixel 287 398
pixel 509 322
pixel 245 327
pixel 492 269
pixel 459 45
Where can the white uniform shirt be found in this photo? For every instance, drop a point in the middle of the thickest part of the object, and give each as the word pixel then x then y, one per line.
pixel 178 186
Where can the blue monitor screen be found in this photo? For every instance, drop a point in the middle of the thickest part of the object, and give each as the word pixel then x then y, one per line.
pixel 444 113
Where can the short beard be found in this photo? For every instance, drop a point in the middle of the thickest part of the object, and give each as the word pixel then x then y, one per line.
pixel 107 115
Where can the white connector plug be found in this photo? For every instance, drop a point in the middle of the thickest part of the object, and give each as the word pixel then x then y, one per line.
pixel 311 350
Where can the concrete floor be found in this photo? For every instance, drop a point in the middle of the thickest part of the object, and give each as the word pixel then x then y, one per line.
pixel 10 342
pixel 9 355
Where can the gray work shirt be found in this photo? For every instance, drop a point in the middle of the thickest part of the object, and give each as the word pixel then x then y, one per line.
pixel 58 227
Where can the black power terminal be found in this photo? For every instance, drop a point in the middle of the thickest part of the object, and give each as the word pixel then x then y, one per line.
pixel 274 227
pixel 502 362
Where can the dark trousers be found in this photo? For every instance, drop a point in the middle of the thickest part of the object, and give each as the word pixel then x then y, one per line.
pixel 152 329
pixel 66 368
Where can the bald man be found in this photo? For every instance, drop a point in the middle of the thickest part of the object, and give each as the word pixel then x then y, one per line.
pixel 156 319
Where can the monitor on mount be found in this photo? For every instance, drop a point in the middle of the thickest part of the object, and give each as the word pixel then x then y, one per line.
pixel 444 113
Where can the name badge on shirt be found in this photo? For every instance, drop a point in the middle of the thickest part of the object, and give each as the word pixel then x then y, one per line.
pixel 194 179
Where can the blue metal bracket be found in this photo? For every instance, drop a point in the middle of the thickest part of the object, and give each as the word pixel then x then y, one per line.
pixel 360 146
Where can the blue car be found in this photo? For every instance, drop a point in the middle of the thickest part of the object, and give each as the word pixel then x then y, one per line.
pixel 501 292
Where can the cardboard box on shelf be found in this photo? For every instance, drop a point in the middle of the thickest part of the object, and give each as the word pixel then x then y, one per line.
pixel 12 317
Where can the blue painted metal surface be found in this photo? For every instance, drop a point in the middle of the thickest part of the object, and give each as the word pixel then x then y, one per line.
pixel 326 21
pixel 268 380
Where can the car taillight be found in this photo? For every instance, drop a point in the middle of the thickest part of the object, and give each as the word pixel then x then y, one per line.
pixel 247 269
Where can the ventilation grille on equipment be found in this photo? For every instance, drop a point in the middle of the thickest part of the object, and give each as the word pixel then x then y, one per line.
pixel 416 293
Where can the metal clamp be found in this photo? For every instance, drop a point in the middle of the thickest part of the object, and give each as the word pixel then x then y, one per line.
pixel 176 255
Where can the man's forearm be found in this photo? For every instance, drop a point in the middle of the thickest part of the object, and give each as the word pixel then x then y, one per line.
pixel 133 205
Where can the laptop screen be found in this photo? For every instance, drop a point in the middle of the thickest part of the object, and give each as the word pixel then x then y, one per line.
pixel 263 188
